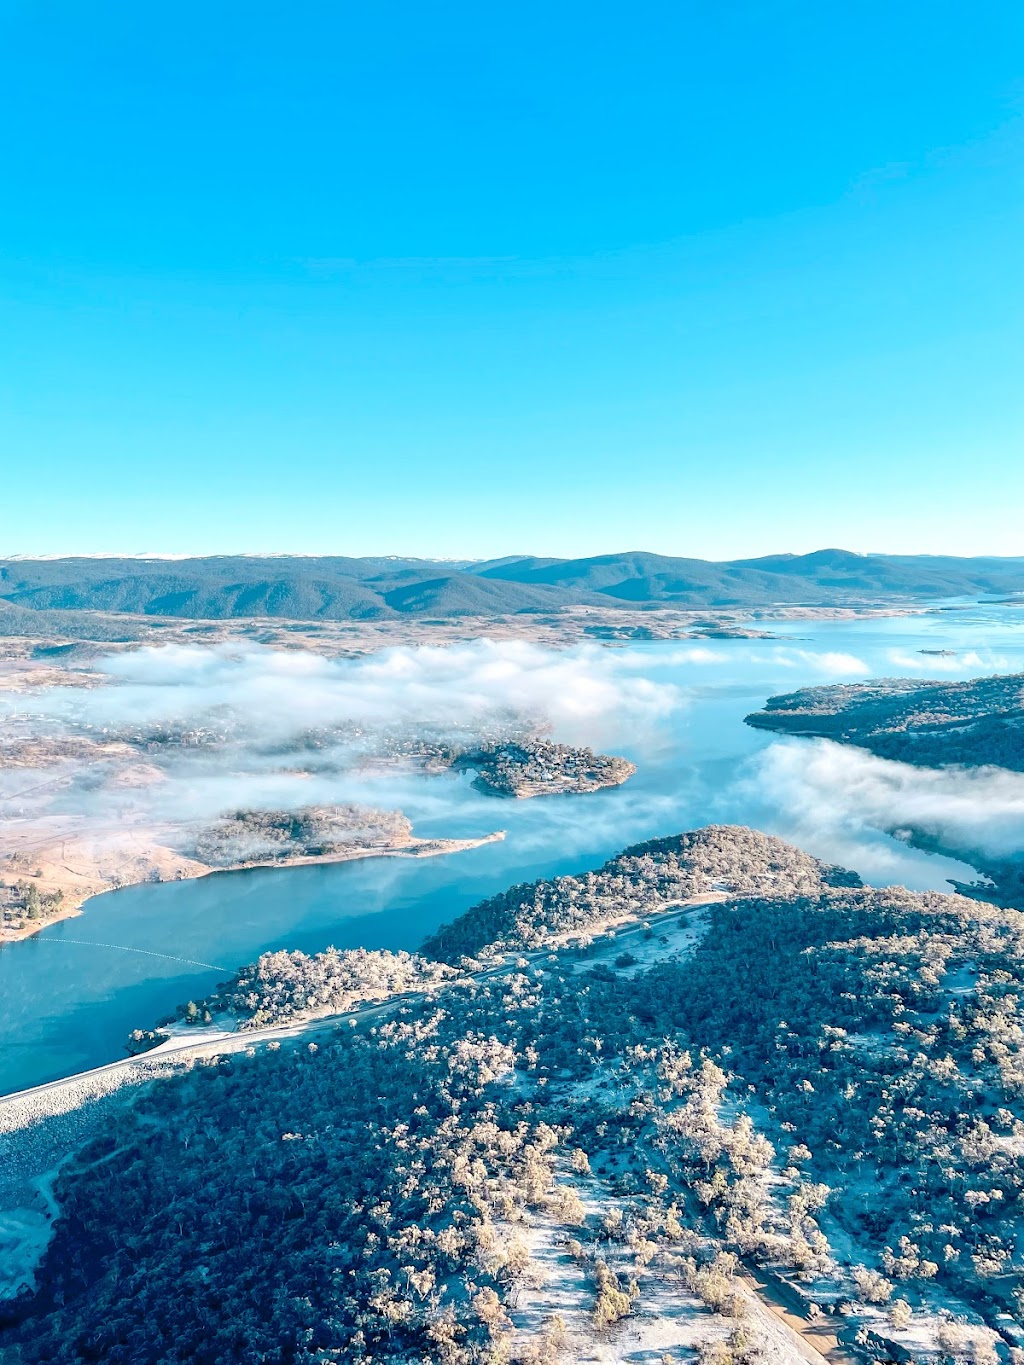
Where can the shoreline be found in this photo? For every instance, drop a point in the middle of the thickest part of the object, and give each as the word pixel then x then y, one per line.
pixel 67 1099
pixel 345 638
pixel 66 856
pixel 412 848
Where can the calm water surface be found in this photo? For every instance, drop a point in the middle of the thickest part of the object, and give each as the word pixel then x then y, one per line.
pixel 70 995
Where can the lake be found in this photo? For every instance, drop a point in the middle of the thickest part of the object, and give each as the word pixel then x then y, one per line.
pixel 70 995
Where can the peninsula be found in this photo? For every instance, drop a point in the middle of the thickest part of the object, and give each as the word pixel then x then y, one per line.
pixel 49 868
pixel 973 724
pixel 933 724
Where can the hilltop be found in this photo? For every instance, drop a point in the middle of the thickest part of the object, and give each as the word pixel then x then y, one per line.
pixel 717 860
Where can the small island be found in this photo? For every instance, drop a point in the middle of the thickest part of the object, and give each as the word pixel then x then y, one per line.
pixel 539 767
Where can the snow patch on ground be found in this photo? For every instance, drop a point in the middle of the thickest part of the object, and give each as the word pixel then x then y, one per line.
pixel 667 1320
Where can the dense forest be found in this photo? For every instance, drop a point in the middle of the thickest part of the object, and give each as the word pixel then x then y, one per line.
pixel 827 1079
pixel 643 879
pixel 935 724
pixel 848 1059
pixel 282 986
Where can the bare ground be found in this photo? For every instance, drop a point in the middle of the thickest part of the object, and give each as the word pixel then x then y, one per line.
pixel 82 859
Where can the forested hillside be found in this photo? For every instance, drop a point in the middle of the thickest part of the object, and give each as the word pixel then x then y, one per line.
pixel 936 724
pixel 824 575
pixel 337 588
pixel 828 1081
pixel 716 860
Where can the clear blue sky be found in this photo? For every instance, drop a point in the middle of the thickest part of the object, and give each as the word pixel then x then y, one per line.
pixel 468 279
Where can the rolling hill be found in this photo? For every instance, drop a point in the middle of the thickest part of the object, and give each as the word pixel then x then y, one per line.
pixel 334 588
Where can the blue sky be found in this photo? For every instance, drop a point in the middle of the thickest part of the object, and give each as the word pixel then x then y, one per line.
pixel 710 279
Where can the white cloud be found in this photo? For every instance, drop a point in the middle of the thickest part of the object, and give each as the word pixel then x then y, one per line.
pixel 964 663
pixel 674 658
pixel 837 801
pixel 826 663
pixel 841 794
pixel 580 692
pixel 830 662
pixel 266 699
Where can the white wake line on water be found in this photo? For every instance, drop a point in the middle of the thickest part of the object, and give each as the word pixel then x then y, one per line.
pixel 126 948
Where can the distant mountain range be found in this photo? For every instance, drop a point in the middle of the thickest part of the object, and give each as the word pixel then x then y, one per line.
pixel 337 588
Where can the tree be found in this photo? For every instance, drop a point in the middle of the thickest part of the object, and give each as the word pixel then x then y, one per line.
pixel 33 902
pixel 900 1314
pixel 610 1303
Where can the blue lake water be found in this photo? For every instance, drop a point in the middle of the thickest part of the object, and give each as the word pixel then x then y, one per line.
pixel 70 995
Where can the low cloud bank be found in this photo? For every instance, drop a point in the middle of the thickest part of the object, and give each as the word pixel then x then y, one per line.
pixel 814 663
pixel 257 706
pixel 260 703
pixel 836 794
pixel 580 693
pixel 963 663
pixel 830 663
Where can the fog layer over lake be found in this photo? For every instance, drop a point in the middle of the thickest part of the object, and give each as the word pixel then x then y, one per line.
pixel 69 996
